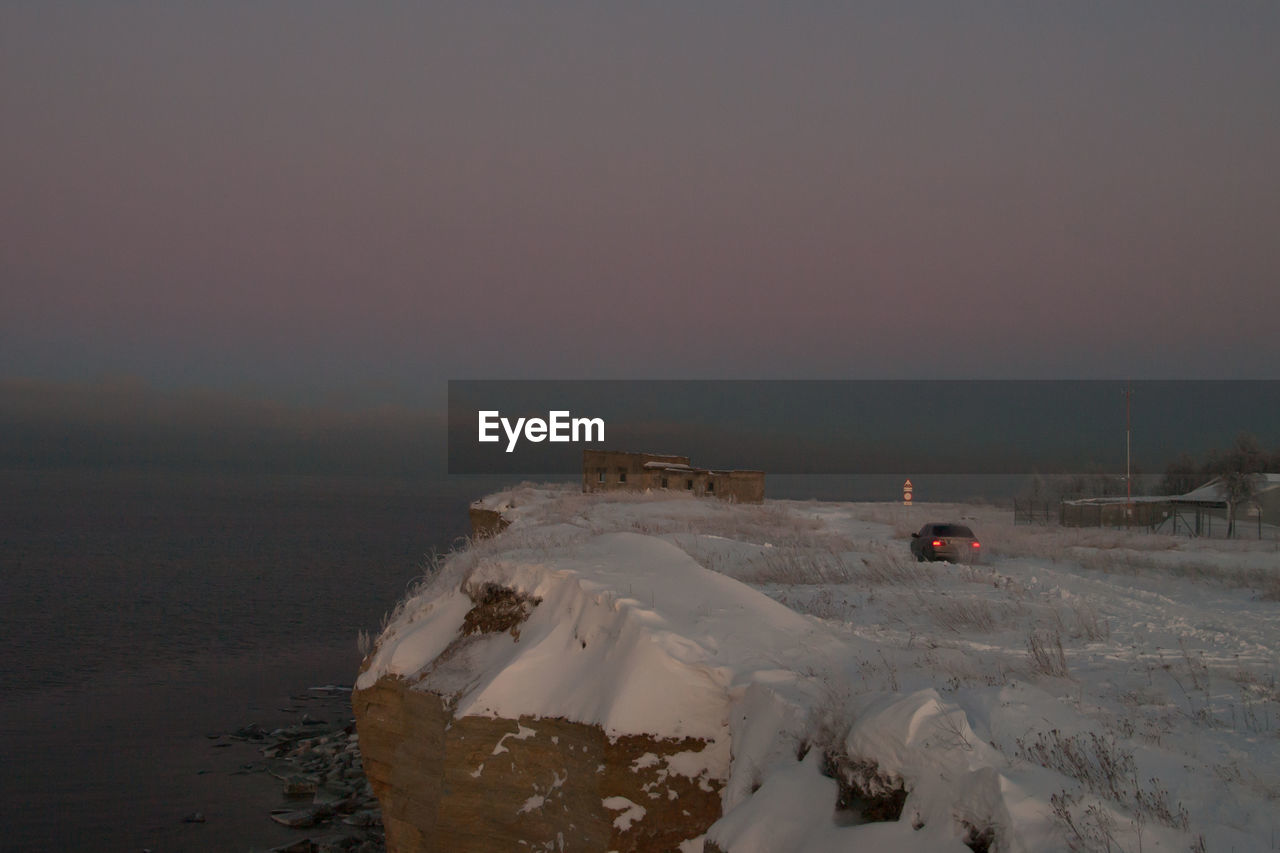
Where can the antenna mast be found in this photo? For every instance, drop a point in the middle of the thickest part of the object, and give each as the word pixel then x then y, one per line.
pixel 1128 430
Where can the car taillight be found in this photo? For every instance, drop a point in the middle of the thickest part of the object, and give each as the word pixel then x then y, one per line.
pixel 935 543
pixel 976 545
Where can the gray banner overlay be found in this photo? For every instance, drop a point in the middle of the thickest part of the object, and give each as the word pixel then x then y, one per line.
pixel 862 426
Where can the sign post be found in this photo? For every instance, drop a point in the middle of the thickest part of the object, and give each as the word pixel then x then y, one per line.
pixel 906 493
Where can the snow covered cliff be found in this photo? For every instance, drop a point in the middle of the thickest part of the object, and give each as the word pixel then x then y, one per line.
pixel 635 673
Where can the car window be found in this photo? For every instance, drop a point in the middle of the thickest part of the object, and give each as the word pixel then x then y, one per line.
pixel 952 530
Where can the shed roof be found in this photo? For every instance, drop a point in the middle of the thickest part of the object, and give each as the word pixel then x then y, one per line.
pixel 1213 492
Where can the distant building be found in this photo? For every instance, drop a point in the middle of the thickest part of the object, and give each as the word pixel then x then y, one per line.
pixel 618 470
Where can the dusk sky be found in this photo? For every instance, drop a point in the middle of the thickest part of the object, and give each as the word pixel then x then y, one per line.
pixel 324 201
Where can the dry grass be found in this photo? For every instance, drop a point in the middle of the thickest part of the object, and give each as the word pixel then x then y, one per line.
pixel 797 566
pixel 1044 648
pixel 1088 624
pixel 1105 769
pixel 966 616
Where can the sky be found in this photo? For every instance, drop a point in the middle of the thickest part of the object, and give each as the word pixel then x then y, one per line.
pixel 347 205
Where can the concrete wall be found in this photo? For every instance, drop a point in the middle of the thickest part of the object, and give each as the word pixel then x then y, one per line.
pixel 736 486
pixel 745 487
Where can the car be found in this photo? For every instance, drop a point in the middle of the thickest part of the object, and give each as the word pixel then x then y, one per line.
pixel 945 541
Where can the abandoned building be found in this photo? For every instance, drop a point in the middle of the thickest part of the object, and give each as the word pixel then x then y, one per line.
pixel 619 470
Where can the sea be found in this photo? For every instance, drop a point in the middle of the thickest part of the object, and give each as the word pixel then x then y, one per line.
pixel 148 613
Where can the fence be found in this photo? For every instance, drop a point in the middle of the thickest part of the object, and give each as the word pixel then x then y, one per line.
pixel 1028 511
pixel 1251 522
pixel 1179 519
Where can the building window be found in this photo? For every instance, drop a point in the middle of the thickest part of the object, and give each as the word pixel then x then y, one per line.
pixel 711 485
pixel 664 482
pixel 599 475
pixel 622 475
pixel 688 485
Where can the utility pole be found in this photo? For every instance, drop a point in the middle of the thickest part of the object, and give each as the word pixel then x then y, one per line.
pixel 1128 430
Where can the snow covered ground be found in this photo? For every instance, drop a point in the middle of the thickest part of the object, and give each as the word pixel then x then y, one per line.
pixel 1079 689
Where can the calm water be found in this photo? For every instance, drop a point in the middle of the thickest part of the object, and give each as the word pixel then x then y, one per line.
pixel 143 610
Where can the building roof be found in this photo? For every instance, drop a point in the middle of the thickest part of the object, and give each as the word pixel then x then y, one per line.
pixel 1119 499
pixel 1213 492
pixel 1210 494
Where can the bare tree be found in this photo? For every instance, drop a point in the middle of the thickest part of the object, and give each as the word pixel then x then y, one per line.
pixel 1181 476
pixel 1237 469
pixel 1039 489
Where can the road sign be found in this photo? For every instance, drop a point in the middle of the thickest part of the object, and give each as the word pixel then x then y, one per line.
pixel 906 493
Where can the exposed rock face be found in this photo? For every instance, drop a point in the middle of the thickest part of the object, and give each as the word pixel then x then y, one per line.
pixel 486 522
pixel 484 784
pixel 557 687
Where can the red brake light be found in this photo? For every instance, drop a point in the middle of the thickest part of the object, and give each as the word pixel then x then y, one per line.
pixel 975 544
pixel 935 543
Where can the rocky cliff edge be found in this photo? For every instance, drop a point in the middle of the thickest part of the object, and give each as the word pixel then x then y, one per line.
pixel 579 682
